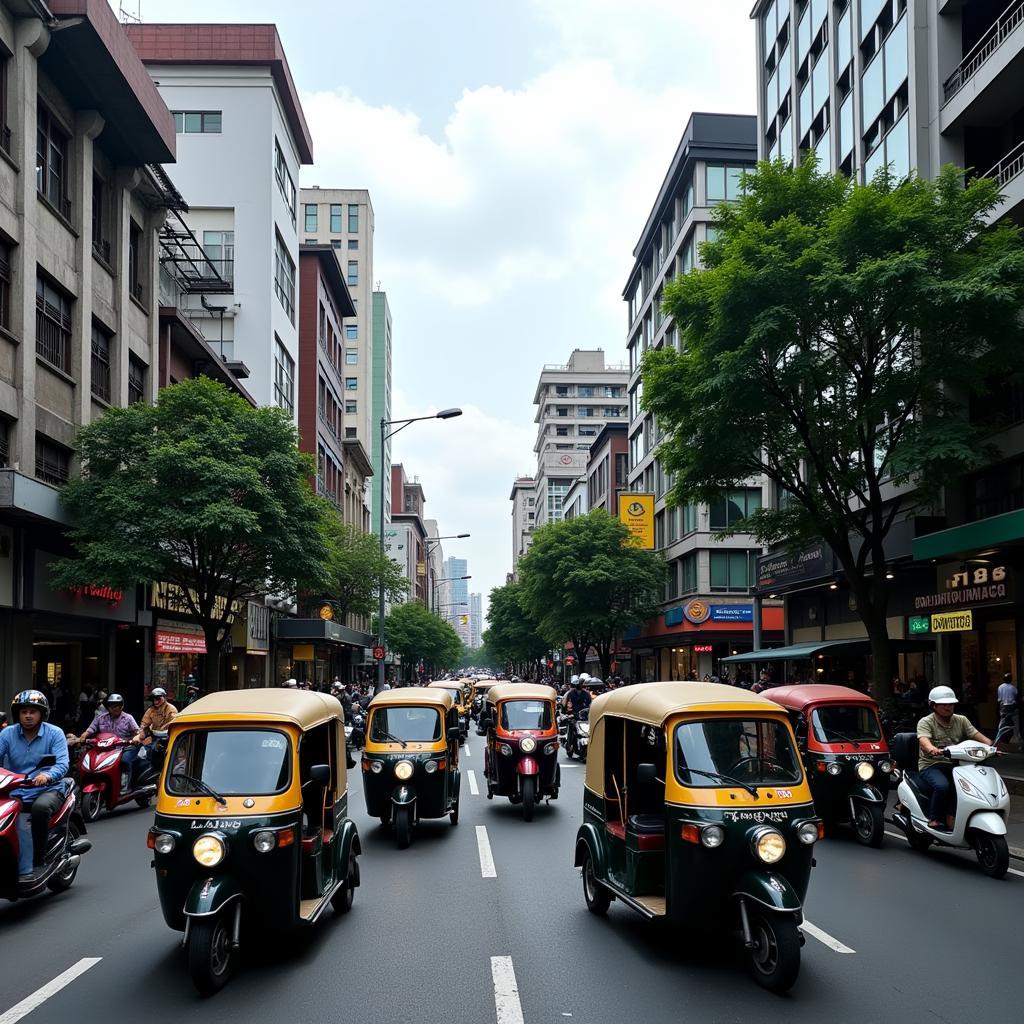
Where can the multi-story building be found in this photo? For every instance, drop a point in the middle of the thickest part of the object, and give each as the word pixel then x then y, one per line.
pixel 241 138
pixel 524 513
pixel 574 504
pixel 457 610
pixel 476 621
pixel 608 468
pixel 574 401
pixel 707 613
pixel 435 558
pixel 80 214
pixel 381 406
pixel 406 539
pixel 343 219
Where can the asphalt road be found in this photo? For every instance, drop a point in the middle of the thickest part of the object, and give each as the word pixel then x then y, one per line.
pixel 430 939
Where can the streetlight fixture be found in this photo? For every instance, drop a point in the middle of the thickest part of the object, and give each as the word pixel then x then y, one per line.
pixel 437 583
pixel 398 425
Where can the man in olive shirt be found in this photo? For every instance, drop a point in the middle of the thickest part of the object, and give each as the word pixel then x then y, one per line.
pixel 941 729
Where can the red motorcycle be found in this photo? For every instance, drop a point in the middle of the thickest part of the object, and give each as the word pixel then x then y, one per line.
pixel 64 845
pixel 108 783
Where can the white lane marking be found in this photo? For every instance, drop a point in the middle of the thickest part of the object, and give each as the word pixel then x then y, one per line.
pixel 473 787
pixel 466 750
pixel 506 991
pixel 483 846
pixel 51 988
pixel 833 943
pixel 899 835
pixel 566 764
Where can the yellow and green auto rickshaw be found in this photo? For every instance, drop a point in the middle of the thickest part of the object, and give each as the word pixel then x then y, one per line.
pixel 461 698
pixel 696 810
pixel 252 825
pixel 411 759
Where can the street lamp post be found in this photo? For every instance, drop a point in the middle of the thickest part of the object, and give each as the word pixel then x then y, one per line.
pixel 444 414
pixel 433 591
pixel 432 543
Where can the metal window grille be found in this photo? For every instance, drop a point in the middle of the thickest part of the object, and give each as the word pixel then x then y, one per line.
pixel 136 380
pixel 53 326
pixel 5 286
pixel 100 364
pixel 51 463
pixel 5 443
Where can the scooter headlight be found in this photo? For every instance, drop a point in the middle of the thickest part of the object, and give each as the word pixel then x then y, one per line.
pixel 527 744
pixel 403 770
pixel 163 843
pixel 834 768
pixel 865 770
pixel 209 850
pixel 769 845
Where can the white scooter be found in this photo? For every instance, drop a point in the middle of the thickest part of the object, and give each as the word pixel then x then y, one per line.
pixel 982 804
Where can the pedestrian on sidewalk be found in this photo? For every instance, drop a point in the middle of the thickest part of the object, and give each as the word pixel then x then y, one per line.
pixel 1008 699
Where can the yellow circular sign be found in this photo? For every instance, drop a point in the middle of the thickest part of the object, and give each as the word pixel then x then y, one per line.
pixel 326 611
pixel 697 612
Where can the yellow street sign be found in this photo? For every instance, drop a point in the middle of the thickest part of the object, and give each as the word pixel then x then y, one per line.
pixel 636 513
pixel 953 622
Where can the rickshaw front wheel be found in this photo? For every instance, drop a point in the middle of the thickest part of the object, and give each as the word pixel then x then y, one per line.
pixel 341 901
pixel 869 824
pixel 529 797
pixel 775 958
pixel 403 826
pixel 210 954
pixel 454 814
pixel 597 896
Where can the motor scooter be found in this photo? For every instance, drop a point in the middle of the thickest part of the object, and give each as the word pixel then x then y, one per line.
pixel 355 734
pixel 982 803
pixel 577 734
pixel 107 784
pixel 65 843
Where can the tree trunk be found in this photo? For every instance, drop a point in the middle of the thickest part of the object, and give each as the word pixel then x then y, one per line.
pixel 211 663
pixel 604 652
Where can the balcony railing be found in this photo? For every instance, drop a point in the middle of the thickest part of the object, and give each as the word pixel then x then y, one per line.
pixel 1009 20
pixel 1009 167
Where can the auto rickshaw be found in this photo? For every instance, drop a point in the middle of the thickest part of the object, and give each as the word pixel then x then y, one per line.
pixel 480 688
pixel 411 759
pixel 839 734
pixel 696 810
pixel 462 699
pixel 521 754
pixel 252 825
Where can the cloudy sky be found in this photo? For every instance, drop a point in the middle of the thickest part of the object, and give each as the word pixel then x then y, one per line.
pixel 512 149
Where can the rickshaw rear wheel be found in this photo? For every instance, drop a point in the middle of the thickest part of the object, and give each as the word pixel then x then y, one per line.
pixel 210 956
pixel 597 896
pixel 869 824
pixel 341 901
pixel 454 814
pixel 529 797
pixel 775 959
pixel 403 826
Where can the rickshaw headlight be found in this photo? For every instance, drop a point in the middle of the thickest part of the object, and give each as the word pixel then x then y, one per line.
pixel 209 850
pixel 769 845
pixel 865 770
pixel 264 842
pixel 550 748
pixel 403 770
pixel 834 768
pixel 807 832
pixel 430 767
pixel 164 843
pixel 505 749
pixel 376 767
pixel 527 744
pixel 885 766
pixel 712 836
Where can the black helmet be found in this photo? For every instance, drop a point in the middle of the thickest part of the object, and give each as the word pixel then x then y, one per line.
pixel 31 699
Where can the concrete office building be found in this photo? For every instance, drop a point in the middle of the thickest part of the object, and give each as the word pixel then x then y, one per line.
pixel 406 539
pixel 381 406
pixel 574 401
pixel 707 612
pixel 476 621
pixel 457 611
pixel 435 558
pixel 241 138
pixel 524 512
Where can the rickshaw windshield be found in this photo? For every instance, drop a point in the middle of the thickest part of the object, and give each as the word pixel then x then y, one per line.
pixel 453 691
pixel 849 723
pixel 231 762
pixel 525 714
pixel 754 752
pixel 412 724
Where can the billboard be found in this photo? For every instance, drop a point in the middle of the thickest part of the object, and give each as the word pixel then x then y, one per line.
pixel 636 513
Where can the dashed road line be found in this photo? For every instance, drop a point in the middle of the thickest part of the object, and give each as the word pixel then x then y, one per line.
pixel 823 937
pixel 473 787
pixel 506 991
pixel 51 988
pixel 483 845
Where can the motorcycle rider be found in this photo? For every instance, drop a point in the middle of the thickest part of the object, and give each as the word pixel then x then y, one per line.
pixel 117 722
pixel 22 747
pixel 575 701
pixel 157 717
pixel 941 729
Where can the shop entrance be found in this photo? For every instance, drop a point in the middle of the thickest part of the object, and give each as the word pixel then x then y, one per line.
pixel 62 669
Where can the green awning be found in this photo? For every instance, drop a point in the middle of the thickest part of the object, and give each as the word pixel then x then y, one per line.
pixel 963 540
pixel 834 648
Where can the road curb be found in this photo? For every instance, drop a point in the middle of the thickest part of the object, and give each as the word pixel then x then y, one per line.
pixel 1016 853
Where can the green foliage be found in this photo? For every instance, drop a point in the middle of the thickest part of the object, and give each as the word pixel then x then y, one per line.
pixel 511 634
pixel 583 581
pixel 356 569
pixel 831 344
pixel 482 657
pixel 419 635
pixel 200 490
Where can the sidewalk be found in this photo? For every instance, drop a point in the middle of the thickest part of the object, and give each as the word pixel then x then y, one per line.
pixel 1011 767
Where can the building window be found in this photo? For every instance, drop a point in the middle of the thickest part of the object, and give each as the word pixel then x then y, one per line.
pixel 197 122
pixel 672 583
pixel 136 379
pixel 284 378
pixel 100 219
pixel 353 218
pixel 736 506
pixel 688 573
pixel 732 570
pixel 350 432
pixel 284 278
pixel 135 260
pixel 52 161
pixel 5 443
pixel 284 179
pixel 5 131
pixel 351 383
pixel 353 244
pixel 353 272
pixel 689 519
pixel 5 286
pixel 723 183
pixel 335 243
pixel 351 332
pixel 100 363
pixel 219 247
pixel 336 218
pixel 351 405
pixel 53 325
pixel 52 462
pixel 311 219
pixel 351 357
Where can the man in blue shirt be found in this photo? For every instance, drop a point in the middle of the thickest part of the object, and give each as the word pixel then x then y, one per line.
pixel 23 745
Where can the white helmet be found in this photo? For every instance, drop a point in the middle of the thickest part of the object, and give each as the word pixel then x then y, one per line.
pixel 584 678
pixel 291 684
pixel 941 695
pixel 574 680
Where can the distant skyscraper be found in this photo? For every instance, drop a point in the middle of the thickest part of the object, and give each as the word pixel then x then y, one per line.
pixel 457 612
pixel 476 624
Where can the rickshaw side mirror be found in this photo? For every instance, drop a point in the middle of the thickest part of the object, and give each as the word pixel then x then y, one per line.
pixel 453 732
pixel 320 774
pixel 646 774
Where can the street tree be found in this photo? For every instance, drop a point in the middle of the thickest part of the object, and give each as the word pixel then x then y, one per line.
pixel 583 580
pixel 201 491
pixel 832 344
pixel 356 570
pixel 512 635
pixel 417 634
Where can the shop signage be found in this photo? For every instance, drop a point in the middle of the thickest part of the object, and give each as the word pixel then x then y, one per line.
pixel 302 652
pixel 732 613
pixel 953 622
pixel 673 616
pixel 702 648
pixel 919 624
pixel 257 627
pixel 636 513
pixel 326 611
pixel 173 642
pixel 786 568
pixel 91 601
pixel 169 597
pixel 697 611
pixel 421 568
pixel 378 653
pixel 108 594
pixel 982 585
